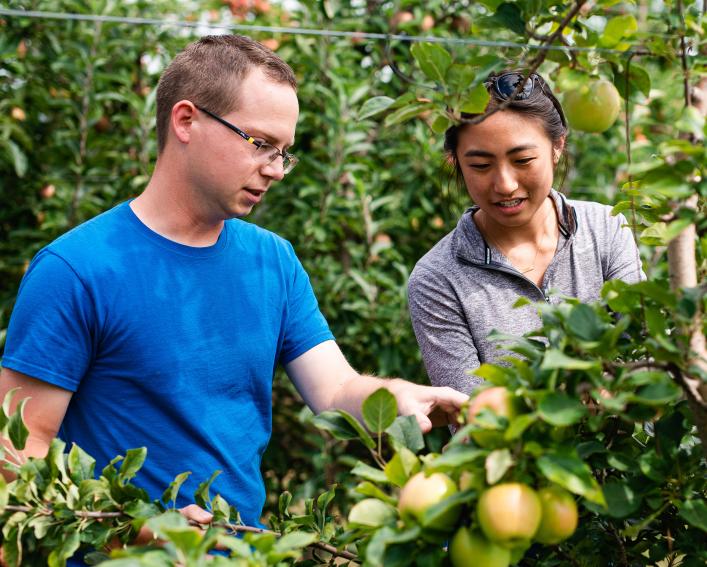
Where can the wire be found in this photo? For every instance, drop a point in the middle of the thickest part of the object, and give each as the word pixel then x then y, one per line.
pixel 298 31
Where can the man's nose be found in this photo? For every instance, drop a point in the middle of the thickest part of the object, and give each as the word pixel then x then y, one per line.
pixel 275 169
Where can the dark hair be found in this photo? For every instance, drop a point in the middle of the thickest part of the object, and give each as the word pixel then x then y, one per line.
pixel 208 72
pixel 538 106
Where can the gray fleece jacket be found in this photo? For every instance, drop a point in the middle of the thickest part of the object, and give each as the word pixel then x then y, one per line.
pixel 463 289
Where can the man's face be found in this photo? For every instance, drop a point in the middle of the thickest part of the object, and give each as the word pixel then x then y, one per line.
pixel 228 173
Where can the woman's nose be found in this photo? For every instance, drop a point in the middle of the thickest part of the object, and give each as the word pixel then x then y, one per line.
pixel 505 181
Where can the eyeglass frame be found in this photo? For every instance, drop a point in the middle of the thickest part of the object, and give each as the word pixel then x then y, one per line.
pixel 522 95
pixel 289 161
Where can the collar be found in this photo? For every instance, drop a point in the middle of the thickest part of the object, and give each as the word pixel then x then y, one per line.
pixel 469 245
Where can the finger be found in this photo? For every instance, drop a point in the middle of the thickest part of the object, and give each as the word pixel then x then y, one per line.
pixel 196 514
pixel 424 422
pixel 449 398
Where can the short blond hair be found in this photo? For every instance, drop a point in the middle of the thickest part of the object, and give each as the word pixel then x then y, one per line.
pixel 208 71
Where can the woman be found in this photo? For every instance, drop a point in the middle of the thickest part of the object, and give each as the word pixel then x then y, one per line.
pixel 520 239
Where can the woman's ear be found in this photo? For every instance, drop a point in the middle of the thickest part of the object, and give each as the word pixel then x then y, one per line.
pixel 557 150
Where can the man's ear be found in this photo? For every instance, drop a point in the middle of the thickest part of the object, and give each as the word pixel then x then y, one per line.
pixel 181 120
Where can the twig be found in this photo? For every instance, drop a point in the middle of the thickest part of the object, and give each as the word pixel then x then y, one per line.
pixel 96 515
pixel 535 63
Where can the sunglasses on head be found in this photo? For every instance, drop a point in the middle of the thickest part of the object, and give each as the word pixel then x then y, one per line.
pixel 505 84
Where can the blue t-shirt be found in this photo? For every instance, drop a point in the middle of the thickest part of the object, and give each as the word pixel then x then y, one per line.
pixel 167 346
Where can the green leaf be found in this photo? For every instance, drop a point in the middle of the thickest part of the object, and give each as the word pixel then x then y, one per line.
pixel 369 473
pixel 383 539
pixel 573 474
pixel 407 113
pixel 518 425
pixel 621 500
pixel 379 410
pixel 585 323
pixel 475 101
pixel 433 59
pixel 325 498
pixel 294 541
pixel 638 80
pixel 459 77
pixel 440 123
pixel 457 456
pixel 402 466
pixel 694 512
pixel 509 16
pixel 497 464
pixel 561 410
pixel 494 373
pixel 442 514
pixel 372 513
pixel 556 359
pixel 81 464
pixel 343 426
pixel 284 503
pixel 370 489
pixel 407 433
pixel 67 546
pixel 691 121
pixel 170 495
pixel 17 156
pixel 202 496
pixel 374 106
pixel 4 494
pixel 134 459
pixel 618 28
pixel 16 428
pixel 658 394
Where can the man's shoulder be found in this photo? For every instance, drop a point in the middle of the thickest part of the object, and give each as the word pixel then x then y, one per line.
pixel 90 237
pixel 252 236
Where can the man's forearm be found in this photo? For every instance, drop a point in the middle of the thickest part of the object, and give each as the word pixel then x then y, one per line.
pixel 351 395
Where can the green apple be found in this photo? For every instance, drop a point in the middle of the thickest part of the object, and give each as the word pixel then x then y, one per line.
pixel 559 515
pixel 422 492
pixel 593 107
pixel 509 514
pixel 501 402
pixel 472 549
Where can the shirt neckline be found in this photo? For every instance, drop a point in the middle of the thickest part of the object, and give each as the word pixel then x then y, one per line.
pixel 176 247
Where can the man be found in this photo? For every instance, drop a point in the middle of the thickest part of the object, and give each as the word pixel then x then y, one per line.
pixel 159 323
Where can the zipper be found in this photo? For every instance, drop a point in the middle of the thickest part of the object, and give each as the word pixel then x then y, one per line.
pixel 499 268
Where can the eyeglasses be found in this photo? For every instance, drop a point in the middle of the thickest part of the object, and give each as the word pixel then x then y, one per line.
pixel 505 85
pixel 264 153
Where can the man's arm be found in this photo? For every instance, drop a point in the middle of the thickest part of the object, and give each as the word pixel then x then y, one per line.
pixel 325 380
pixel 43 413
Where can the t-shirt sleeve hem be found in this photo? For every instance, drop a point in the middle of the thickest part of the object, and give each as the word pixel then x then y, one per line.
pixel 305 346
pixel 35 371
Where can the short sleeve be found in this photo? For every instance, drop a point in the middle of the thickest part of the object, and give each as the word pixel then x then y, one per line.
pixel 441 329
pixel 50 336
pixel 624 258
pixel 305 326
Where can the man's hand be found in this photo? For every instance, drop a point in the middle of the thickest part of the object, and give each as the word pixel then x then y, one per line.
pixel 431 406
pixel 194 514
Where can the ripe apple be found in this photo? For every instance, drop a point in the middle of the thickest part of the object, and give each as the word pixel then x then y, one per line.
pixel 559 515
pixel 422 492
pixel 509 514
pixel 471 549
pixel 501 402
pixel 593 107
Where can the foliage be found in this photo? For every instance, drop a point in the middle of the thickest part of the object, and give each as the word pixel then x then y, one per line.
pixel 604 414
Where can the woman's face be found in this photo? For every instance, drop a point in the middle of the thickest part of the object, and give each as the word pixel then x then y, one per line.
pixel 507 163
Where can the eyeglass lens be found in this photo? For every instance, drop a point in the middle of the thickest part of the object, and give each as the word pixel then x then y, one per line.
pixel 506 86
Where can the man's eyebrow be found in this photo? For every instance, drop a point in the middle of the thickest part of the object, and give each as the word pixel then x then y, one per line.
pixel 514 150
pixel 256 133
